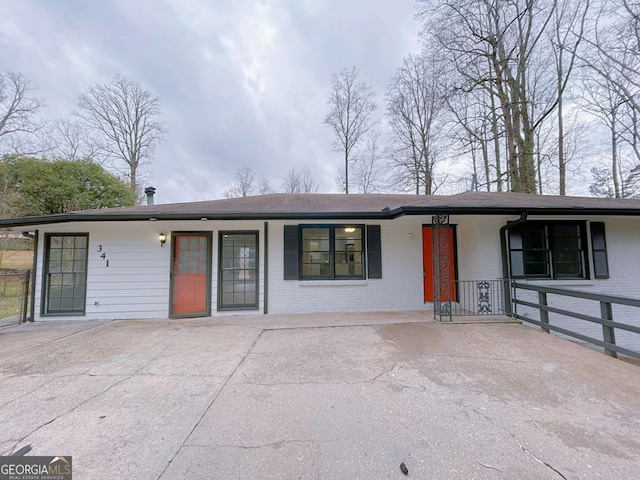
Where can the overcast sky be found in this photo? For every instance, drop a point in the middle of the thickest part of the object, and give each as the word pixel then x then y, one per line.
pixel 241 82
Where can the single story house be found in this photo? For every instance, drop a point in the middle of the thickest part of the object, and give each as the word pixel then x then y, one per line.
pixel 288 253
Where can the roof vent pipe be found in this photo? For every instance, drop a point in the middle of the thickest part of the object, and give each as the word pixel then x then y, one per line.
pixel 150 191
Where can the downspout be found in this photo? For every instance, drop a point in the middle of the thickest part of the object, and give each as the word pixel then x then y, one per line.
pixel 34 236
pixel 505 259
pixel 266 269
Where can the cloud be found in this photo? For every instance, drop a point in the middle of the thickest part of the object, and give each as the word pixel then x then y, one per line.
pixel 240 83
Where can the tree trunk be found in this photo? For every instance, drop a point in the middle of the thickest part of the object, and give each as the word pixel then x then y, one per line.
pixel 346 172
pixel 562 165
pixel 614 157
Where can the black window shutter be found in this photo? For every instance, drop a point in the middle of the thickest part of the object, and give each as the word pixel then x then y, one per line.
pixel 374 251
pixel 291 252
pixel 599 246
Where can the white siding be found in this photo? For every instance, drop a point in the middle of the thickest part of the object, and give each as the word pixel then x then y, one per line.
pixel 136 282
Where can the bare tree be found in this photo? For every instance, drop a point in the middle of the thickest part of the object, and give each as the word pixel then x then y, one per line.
pixel 264 187
pixel 351 103
pixel 414 108
pixel 567 32
pixel 602 99
pixel 602 183
pixel 126 118
pixel 299 182
pixel 19 110
pixel 368 175
pixel 291 182
pixel 491 44
pixel 615 47
pixel 244 185
pixel 72 141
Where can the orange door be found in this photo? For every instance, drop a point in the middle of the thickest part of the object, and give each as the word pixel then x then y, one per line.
pixel 447 248
pixel 190 274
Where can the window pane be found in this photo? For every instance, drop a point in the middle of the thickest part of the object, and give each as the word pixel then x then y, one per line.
pixel 515 239
pixel 534 237
pixel 535 263
pixel 310 270
pixel 348 251
pixel 316 254
pixel 517 264
pixel 567 251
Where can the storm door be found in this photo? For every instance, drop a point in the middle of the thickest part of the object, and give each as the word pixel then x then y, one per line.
pixel 238 271
pixel 191 274
pixel 448 259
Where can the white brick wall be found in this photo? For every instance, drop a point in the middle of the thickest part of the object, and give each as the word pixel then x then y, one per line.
pixel 623 250
pixel 400 287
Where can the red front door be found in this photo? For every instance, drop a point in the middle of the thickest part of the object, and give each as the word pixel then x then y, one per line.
pixel 447 249
pixel 191 271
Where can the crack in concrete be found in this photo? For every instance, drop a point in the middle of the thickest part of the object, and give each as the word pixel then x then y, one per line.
pixel 252 447
pixel 21 353
pixel 311 382
pixel 215 397
pixel 21 440
pixel 30 392
pixel 522 447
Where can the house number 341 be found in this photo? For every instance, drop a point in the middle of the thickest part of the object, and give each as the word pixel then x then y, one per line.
pixel 103 255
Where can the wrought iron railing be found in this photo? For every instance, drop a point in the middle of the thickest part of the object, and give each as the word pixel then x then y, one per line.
pixel 473 298
pixel 609 326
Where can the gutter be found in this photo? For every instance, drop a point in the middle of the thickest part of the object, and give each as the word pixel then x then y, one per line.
pixel 385 214
pixel 505 259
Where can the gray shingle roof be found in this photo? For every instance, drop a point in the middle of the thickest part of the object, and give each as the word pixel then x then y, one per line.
pixel 355 206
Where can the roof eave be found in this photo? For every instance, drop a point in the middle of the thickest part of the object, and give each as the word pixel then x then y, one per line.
pixel 382 215
pixel 451 210
pixel 69 218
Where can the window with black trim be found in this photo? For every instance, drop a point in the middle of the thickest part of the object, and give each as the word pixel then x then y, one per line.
pixel 331 251
pixel 549 250
pixel 65 273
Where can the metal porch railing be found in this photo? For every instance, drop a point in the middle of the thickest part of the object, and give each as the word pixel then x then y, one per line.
pixel 606 320
pixel 472 298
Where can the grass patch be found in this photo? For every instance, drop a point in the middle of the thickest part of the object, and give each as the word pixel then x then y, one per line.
pixel 16 259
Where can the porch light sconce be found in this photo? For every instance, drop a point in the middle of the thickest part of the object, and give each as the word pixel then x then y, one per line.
pixel 162 238
pixel 349 229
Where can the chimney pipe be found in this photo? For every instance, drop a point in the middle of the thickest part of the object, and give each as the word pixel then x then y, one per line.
pixel 150 191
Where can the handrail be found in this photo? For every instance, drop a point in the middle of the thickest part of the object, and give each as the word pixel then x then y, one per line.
pixel 606 315
pixel 602 297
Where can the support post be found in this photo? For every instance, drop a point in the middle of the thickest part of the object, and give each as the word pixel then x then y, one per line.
pixel 544 315
pixel 608 333
pixel 441 273
pixel 25 297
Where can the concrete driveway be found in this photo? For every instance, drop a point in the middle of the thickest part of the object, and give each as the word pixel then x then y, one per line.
pixel 325 396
